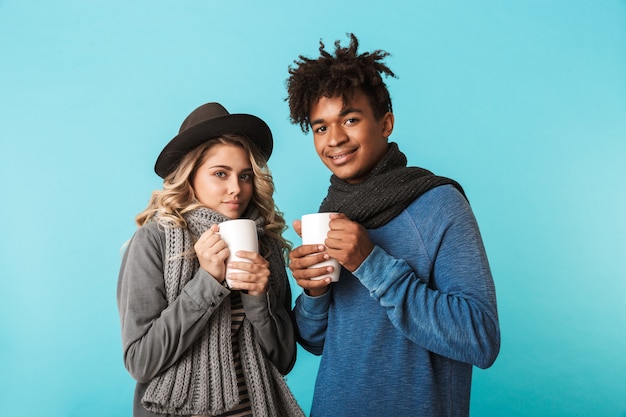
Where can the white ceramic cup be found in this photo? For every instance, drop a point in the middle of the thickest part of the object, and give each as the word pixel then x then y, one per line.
pixel 239 234
pixel 314 230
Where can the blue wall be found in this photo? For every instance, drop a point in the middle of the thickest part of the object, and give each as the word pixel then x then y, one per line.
pixel 522 102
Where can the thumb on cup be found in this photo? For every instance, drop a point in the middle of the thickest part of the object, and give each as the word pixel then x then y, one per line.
pixel 297 226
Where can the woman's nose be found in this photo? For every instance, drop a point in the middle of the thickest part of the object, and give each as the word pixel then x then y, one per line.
pixel 233 186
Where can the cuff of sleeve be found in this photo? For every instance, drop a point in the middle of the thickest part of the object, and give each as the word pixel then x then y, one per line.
pixel 369 272
pixel 256 306
pixel 315 306
pixel 205 291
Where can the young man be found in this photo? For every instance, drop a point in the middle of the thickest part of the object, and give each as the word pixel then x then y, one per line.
pixel 415 305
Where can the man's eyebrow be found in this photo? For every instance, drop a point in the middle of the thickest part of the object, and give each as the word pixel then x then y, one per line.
pixel 349 110
pixel 342 113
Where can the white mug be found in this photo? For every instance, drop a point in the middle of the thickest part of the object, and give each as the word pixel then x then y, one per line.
pixel 314 230
pixel 239 234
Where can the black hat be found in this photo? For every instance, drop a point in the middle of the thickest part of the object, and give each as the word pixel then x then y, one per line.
pixel 209 121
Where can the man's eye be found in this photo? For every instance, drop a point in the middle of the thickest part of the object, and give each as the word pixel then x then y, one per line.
pixel 320 129
pixel 351 120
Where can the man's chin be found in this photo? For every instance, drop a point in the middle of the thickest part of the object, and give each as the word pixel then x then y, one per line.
pixel 349 177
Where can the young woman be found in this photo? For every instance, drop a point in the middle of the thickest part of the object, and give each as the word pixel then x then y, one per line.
pixel 196 346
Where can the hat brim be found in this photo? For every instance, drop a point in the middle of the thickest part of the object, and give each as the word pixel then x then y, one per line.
pixel 255 129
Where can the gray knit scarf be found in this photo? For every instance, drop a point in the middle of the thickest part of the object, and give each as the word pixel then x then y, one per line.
pixel 389 189
pixel 203 381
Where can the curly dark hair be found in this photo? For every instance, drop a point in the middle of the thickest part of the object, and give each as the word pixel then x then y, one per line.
pixel 331 76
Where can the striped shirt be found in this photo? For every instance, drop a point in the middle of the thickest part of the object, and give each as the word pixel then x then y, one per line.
pixel 243 409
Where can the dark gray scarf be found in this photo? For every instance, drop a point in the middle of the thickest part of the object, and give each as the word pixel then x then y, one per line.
pixel 389 189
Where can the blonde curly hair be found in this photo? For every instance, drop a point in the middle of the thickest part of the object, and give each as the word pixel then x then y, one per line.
pixel 177 196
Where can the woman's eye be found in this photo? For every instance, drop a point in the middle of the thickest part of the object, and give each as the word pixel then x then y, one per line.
pixel 220 174
pixel 246 177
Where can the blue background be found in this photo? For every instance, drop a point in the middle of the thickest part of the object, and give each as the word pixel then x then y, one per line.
pixel 522 102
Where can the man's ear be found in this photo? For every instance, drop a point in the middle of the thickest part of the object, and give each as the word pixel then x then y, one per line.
pixel 387 124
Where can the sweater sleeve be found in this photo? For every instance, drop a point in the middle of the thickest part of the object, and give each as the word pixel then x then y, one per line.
pixel 155 334
pixel 446 303
pixel 311 315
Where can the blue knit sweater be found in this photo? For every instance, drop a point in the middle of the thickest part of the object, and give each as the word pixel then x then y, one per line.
pixel 399 337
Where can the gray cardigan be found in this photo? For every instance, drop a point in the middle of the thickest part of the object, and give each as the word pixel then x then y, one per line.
pixel 155 334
